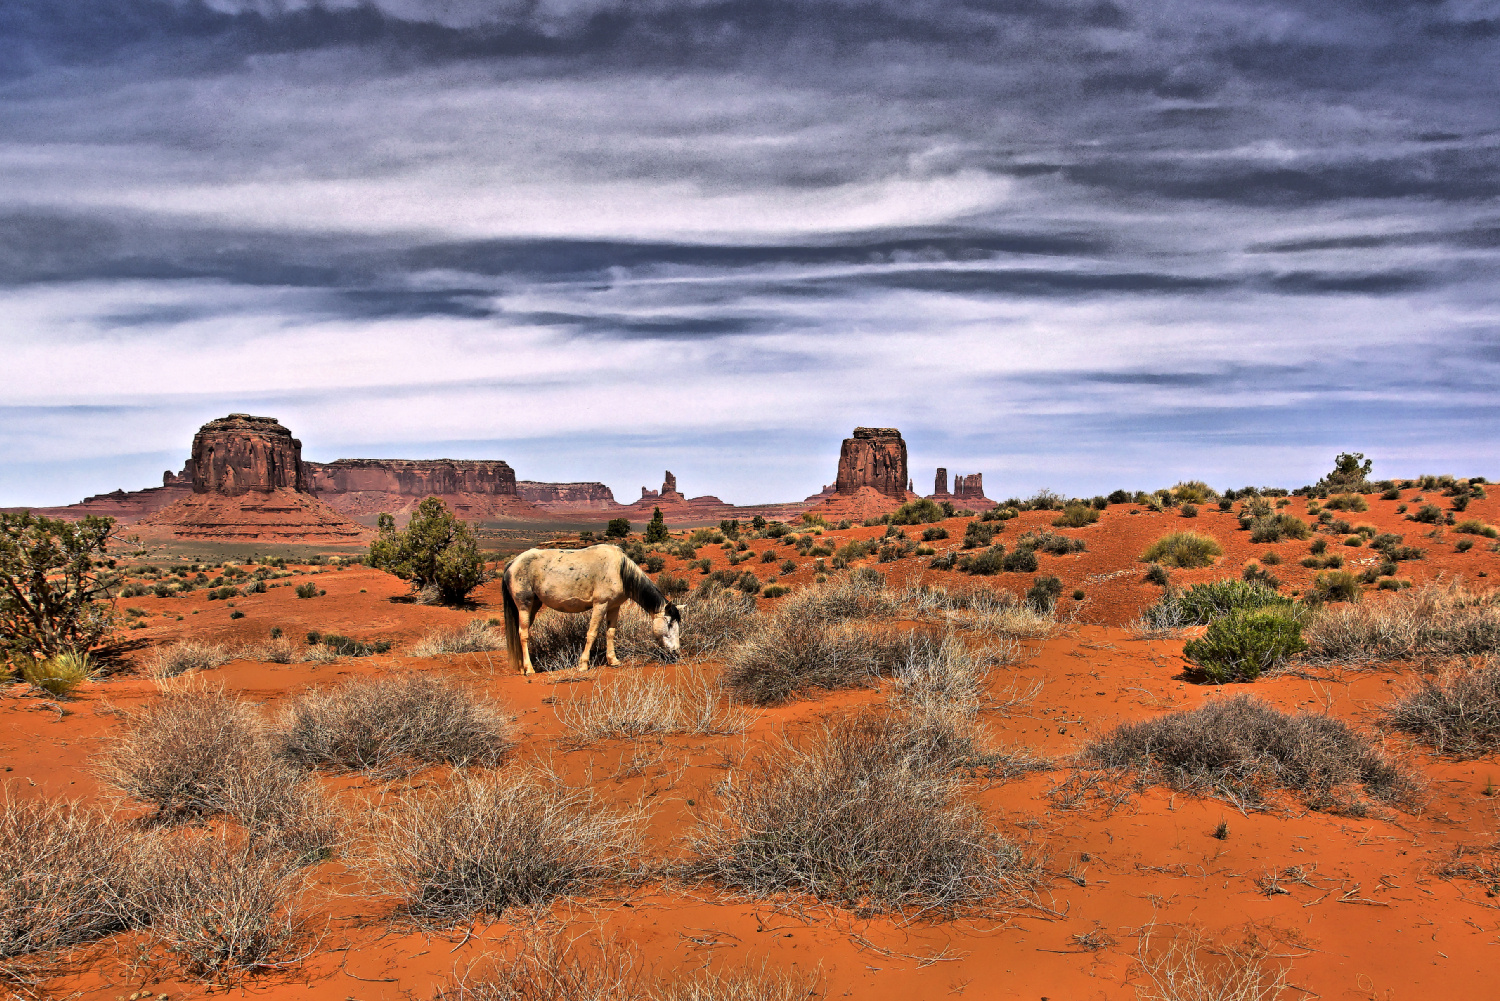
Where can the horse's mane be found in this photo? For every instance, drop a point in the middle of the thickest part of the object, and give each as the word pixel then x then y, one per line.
pixel 638 587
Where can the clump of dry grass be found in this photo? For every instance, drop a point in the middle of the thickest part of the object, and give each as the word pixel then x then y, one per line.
pixel 63 869
pixel 474 636
pixel 189 655
pixel 865 812
pixel 854 595
pixel 1441 619
pixel 1242 749
pixel 484 843
pixel 715 620
pixel 638 705
pixel 1193 967
pixel 547 970
pixel 1457 712
pixel 982 609
pixel 795 651
pixel 277 650
pixel 201 754
pixel 57 675
pixel 223 903
pixel 392 724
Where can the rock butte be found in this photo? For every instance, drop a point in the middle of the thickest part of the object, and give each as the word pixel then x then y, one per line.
pixel 246 479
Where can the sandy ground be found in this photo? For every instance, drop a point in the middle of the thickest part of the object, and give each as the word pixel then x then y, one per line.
pixel 1361 910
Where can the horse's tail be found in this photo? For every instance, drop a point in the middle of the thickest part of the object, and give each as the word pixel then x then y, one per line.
pixel 512 621
pixel 639 588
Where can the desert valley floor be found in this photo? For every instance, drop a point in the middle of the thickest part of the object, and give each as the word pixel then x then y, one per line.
pixel 1394 902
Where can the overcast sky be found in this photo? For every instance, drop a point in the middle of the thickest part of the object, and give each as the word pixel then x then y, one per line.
pixel 1069 243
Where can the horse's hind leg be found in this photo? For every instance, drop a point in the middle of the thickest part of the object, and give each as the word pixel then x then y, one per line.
pixel 526 613
pixel 588 643
pixel 611 622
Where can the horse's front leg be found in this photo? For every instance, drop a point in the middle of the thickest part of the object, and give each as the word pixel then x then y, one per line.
pixel 609 636
pixel 588 643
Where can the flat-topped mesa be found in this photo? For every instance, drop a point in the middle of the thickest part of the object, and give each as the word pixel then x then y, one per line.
pixel 238 454
pixel 413 477
pixel 876 458
pixel 590 493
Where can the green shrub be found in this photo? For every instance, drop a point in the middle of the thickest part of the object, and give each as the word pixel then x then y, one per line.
pixel 1348 502
pixel 977 534
pixel 918 512
pixel 436 551
pixel 1335 585
pixel 1473 526
pixel 1275 527
pixel 1076 515
pixel 55 580
pixel 987 563
pixel 1190 510
pixel 1391 494
pixel 1043 593
pixel 1023 560
pixel 1203 603
pixel 1183 549
pixel 774 591
pixel 1243 645
pixel 1319 547
pixel 1464 545
pixel 59 674
pixel 656 528
pixel 748 583
pixel 934 532
pixel 1053 543
pixel 1429 514
pixel 1157 574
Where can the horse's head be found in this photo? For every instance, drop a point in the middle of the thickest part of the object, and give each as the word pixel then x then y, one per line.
pixel 666 626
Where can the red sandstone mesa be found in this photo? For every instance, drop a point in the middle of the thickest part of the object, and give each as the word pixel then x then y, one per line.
pixel 874 457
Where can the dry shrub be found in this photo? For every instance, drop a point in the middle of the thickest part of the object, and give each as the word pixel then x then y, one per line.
pixel 474 636
pixel 859 594
pixel 1242 749
pixel 1457 712
pixel 711 621
pixel 481 844
pixel 715 620
pixel 278 650
pixel 222 902
pixel 544 970
pixel 201 754
pixel 1480 863
pixel 1192 967
pixel 981 609
pixel 795 651
pixel 865 812
pixel 637 705
pixel 189 655
pixel 62 871
pixel 392 724
pixel 1443 619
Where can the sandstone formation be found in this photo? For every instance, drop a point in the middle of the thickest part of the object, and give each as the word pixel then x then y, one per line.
pixel 474 489
pixel 969 487
pixel 567 495
pixel 940 483
pixel 248 484
pixel 238 454
pixel 876 458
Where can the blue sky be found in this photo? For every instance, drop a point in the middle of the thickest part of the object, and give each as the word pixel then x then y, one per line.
pixel 1069 244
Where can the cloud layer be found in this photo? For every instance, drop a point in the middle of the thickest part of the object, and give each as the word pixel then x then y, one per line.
pixel 1076 244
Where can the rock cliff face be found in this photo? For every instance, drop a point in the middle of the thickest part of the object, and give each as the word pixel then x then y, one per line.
pixel 238 454
pixel 876 458
pixel 969 487
pixel 412 477
pixel 940 483
pixel 559 496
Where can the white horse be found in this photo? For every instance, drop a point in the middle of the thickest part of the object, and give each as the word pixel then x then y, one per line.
pixel 599 578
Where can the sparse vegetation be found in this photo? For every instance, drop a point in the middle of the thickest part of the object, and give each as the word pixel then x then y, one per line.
pixel 638 705
pixel 482 843
pixel 180 658
pixel 1456 712
pixel 392 724
pixel 436 552
pixel 867 813
pixel 1241 749
pixel 474 636
pixel 59 674
pixel 1203 603
pixel 1334 585
pixel 1436 619
pixel 1076 515
pixel 1183 549
pixel 1243 645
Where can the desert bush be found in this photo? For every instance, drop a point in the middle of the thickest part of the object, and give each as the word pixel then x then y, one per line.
pixel 796 650
pixel 1242 749
pixel 180 658
pixel 200 754
pixel 638 705
pixel 392 724
pixel 1190 510
pixel 918 512
pixel 1473 526
pixel 344 646
pixel 775 591
pixel 1203 603
pixel 223 903
pixel 1043 593
pixel 1183 549
pixel 934 532
pixel 859 594
pixel 59 674
pixel 55 583
pixel 1052 543
pixel 977 534
pixel 1334 585
pixel 1347 502
pixel 1429 514
pixel 748 583
pixel 983 564
pixel 483 843
pixel 63 876
pixel 1020 560
pixel 474 636
pixel 1243 645
pixel 1275 527
pixel 1437 619
pixel 435 552
pixel 1076 515
pixel 977 608
pixel 865 812
pixel 1457 712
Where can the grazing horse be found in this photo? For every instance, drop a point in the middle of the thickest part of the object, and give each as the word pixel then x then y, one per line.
pixel 599 578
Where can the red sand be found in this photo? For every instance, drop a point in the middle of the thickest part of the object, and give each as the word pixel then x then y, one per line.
pixel 1371 920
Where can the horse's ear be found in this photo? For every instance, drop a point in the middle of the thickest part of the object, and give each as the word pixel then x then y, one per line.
pixel 680 608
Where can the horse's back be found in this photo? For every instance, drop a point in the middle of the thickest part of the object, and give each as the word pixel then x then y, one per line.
pixel 569 576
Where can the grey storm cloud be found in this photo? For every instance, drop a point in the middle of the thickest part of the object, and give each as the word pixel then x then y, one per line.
pixel 1071 242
